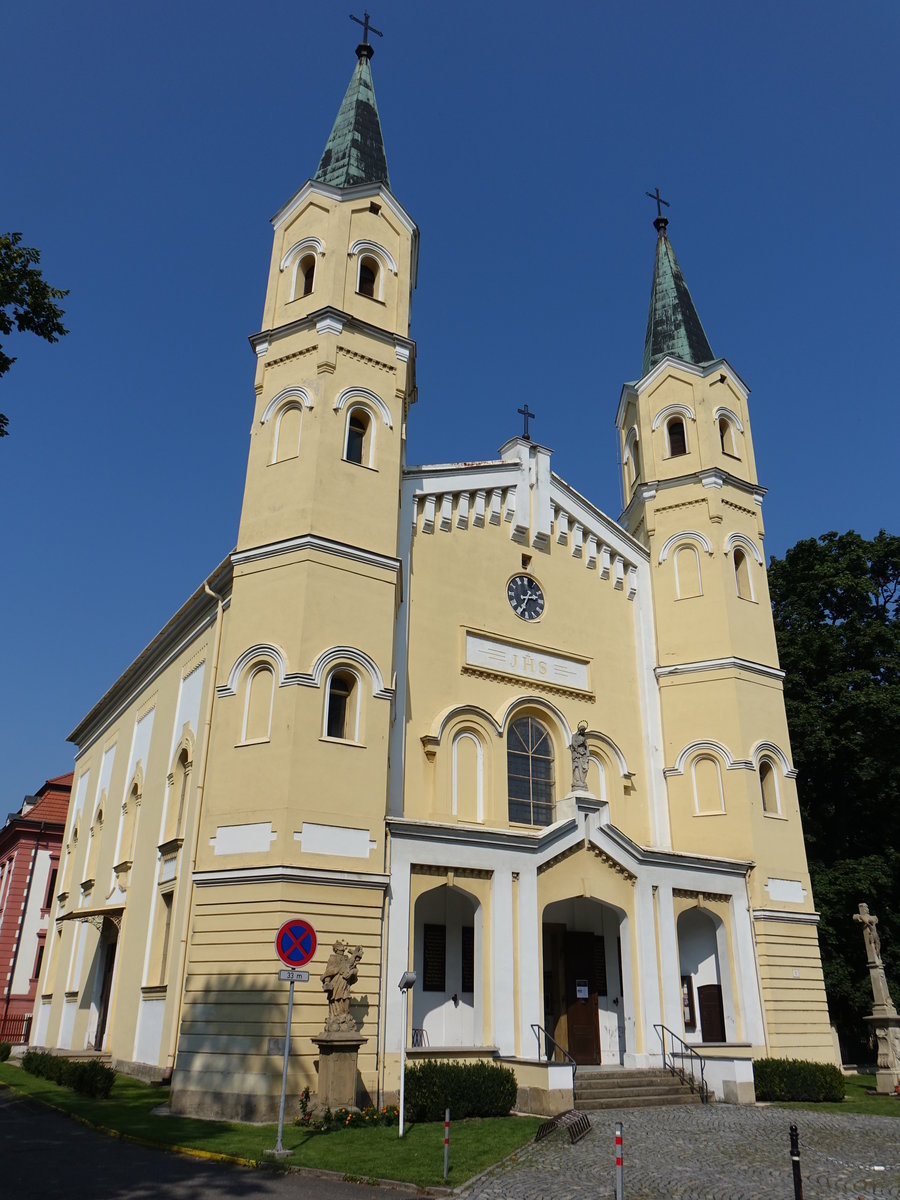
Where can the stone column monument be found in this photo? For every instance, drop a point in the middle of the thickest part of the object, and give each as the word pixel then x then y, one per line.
pixel 884 1019
pixel 340 1041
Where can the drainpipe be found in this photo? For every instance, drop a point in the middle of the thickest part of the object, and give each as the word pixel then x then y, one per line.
pixel 201 783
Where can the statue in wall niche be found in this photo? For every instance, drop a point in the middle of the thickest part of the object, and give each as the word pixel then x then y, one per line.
pixel 581 757
pixel 870 933
pixel 337 979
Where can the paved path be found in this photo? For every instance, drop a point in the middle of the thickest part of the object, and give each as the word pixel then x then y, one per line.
pixel 45 1155
pixel 719 1152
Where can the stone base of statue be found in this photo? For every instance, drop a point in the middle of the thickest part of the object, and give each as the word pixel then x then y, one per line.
pixel 886 1027
pixel 581 800
pixel 338 1054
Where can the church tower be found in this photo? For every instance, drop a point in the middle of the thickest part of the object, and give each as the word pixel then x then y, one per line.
pixel 694 500
pixel 296 792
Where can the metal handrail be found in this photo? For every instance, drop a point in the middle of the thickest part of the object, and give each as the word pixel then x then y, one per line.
pixel 695 1083
pixel 537 1030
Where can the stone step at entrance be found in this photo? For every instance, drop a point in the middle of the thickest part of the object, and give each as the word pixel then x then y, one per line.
pixel 596 1090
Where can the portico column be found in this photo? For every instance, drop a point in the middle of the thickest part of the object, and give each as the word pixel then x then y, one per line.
pixel 502 963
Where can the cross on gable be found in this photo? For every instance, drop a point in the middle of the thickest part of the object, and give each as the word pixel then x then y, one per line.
pixel 528 416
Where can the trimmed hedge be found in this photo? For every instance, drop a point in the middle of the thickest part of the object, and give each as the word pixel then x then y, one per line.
pixel 477 1089
pixel 5 1049
pixel 797 1079
pixel 89 1078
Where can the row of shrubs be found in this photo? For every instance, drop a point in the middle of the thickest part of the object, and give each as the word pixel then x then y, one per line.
pixel 477 1089
pixel 89 1078
pixel 796 1079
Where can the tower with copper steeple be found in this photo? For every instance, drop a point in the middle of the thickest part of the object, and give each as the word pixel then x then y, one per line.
pixel 296 792
pixel 693 498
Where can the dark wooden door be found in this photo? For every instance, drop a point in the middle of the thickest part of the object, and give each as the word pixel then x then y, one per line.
pixel 109 963
pixel 712 1014
pixel 581 1011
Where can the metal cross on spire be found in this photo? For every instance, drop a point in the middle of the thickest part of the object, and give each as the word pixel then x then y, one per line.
pixel 366 26
pixel 654 195
pixel 528 415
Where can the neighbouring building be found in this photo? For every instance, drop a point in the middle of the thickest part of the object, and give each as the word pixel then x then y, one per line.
pixel 30 843
pixel 366 716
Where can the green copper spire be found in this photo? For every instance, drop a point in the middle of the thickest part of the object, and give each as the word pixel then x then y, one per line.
pixel 673 326
pixel 355 151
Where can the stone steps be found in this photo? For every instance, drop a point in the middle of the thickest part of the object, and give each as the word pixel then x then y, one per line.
pixel 596 1090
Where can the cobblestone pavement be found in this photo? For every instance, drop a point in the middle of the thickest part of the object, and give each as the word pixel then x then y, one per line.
pixel 719 1152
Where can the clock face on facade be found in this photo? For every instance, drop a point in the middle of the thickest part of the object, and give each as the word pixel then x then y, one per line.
pixel 525 597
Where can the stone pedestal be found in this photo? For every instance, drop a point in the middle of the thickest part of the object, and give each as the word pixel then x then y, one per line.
pixel 886 1027
pixel 338 1054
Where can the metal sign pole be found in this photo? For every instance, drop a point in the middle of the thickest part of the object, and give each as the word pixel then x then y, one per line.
pixel 620 1167
pixel 279 1148
pixel 446 1141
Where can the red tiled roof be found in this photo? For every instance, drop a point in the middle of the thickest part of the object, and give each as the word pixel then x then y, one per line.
pixel 52 806
pixel 65 781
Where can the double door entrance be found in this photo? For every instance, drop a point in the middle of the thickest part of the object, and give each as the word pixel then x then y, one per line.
pixel 582 993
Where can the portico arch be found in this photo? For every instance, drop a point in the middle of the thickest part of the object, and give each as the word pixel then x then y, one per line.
pixel 447 956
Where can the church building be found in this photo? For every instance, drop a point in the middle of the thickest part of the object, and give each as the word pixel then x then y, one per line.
pixel 453 714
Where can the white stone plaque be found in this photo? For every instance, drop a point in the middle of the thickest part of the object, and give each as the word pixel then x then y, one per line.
pixel 524 662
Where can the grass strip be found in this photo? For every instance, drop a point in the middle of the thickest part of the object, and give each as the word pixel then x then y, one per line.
pixel 364 1154
pixel 856 1100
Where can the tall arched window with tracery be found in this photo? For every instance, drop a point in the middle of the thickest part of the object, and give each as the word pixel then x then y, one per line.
pixel 529 764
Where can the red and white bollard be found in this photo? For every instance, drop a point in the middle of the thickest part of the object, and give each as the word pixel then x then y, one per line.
pixel 620 1165
pixel 446 1141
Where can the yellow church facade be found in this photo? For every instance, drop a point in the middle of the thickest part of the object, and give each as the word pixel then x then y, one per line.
pixel 453 714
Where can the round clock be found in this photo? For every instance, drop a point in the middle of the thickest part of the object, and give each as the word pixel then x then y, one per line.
pixel 525 597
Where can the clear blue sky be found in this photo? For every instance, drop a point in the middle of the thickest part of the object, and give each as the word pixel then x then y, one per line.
pixel 146 147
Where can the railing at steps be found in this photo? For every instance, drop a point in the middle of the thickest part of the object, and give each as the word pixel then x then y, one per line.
pixel 674 1060
pixel 537 1030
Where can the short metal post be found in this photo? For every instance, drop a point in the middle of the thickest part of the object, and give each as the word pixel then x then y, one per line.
pixel 620 1166
pixel 795 1163
pixel 446 1141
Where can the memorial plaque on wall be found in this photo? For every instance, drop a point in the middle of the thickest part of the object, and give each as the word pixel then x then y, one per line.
pixel 434 975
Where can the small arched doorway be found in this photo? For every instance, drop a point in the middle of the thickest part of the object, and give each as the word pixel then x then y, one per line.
pixel 447 956
pixel 704 991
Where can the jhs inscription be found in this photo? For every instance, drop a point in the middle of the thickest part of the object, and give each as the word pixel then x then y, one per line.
pixel 526 664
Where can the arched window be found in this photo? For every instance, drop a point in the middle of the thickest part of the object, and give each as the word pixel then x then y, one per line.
pixel 94 845
pixel 306 274
pixel 635 461
pixel 768 786
pixel 687 573
pixel 742 575
pixel 677 437
pixel 367 284
pixel 726 437
pixel 358 447
pixel 287 433
pixel 467 777
pixel 342 706
pixel 258 704
pixel 529 765
pixel 129 819
pixel 706 774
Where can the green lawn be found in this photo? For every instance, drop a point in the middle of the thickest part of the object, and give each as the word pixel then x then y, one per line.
pixel 360 1153
pixel 856 1100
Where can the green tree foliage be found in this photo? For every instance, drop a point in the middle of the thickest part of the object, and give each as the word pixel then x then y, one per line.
pixel 836 603
pixel 27 301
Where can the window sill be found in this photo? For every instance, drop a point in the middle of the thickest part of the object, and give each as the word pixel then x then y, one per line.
pixel 342 742
pixel 774 816
pixel 279 461
pixel 678 599
pixel 733 457
pixel 365 466
pixel 748 599
pixel 717 813
pixel 252 742
pixel 373 299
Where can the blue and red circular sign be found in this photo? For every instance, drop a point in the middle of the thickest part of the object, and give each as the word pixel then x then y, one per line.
pixel 295 942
